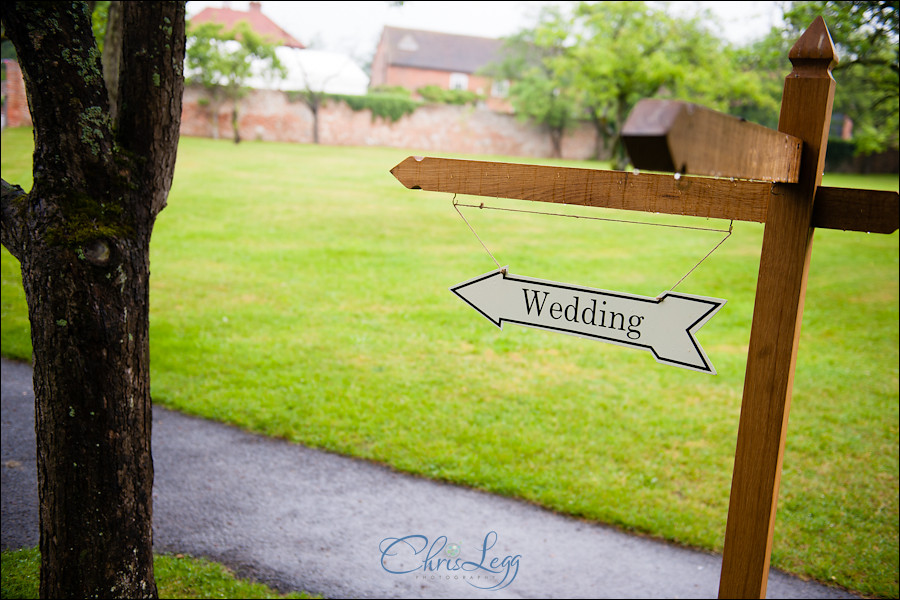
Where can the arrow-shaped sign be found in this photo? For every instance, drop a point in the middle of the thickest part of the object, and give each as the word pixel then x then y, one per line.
pixel 665 325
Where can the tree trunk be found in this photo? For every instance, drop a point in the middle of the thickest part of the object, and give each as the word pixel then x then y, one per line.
pixel 313 101
pixel 82 237
pixel 215 105
pixel 556 138
pixel 619 157
pixel 112 55
pixel 601 135
pixel 234 123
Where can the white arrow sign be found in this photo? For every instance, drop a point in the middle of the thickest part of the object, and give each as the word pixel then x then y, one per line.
pixel 664 325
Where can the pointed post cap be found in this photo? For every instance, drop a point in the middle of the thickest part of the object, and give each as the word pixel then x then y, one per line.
pixel 815 47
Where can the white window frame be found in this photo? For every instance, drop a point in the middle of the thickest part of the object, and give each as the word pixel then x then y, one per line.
pixel 459 81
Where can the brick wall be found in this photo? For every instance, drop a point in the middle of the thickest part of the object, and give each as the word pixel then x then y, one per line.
pixel 16 103
pixel 270 116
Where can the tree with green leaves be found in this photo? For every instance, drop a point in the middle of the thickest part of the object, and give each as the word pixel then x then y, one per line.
pixel 627 51
pixel 542 90
pixel 223 61
pixel 606 56
pixel 82 237
pixel 866 36
pixel 621 54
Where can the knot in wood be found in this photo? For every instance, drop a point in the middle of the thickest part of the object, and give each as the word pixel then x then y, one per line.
pixel 97 252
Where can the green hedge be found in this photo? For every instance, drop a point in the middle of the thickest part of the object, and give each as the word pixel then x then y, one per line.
pixel 391 106
pixel 437 95
pixel 386 106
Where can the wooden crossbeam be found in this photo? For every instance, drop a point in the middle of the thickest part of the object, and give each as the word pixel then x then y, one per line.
pixel 676 136
pixel 715 198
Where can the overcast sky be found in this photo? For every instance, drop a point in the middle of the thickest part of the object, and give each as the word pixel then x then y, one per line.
pixel 354 27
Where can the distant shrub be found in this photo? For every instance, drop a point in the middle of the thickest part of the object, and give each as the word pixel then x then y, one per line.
pixel 382 105
pixel 438 95
pixel 393 102
pixel 390 90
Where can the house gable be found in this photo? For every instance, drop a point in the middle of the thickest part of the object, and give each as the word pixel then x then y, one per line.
pixel 259 23
pixel 414 58
pixel 438 51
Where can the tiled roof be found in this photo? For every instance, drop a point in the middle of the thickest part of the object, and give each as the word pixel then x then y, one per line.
pixel 439 51
pixel 259 23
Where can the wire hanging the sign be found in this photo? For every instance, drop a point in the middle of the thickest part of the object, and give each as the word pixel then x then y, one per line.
pixel 611 220
pixel 472 229
pixel 482 206
pixel 708 254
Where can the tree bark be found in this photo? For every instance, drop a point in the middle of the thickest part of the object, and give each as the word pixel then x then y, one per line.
pixel 601 134
pixel 556 139
pixel 82 236
pixel 234 122
pixel 112 55
pixel 315 113
pixel 216 100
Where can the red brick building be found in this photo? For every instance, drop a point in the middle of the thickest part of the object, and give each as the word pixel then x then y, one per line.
pixel 259 23
pixel 413 58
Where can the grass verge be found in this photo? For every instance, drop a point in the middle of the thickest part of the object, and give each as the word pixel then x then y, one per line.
pixel 177 576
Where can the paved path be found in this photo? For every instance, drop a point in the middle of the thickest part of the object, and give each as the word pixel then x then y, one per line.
pixel 304 519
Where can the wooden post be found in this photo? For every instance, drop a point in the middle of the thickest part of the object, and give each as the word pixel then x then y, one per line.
pixel 784 264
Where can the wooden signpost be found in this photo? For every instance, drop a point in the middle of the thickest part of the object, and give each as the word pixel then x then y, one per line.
pixel 777 182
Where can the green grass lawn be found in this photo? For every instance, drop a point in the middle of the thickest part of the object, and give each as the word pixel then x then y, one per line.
pixel 302 292
pixel 177 576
